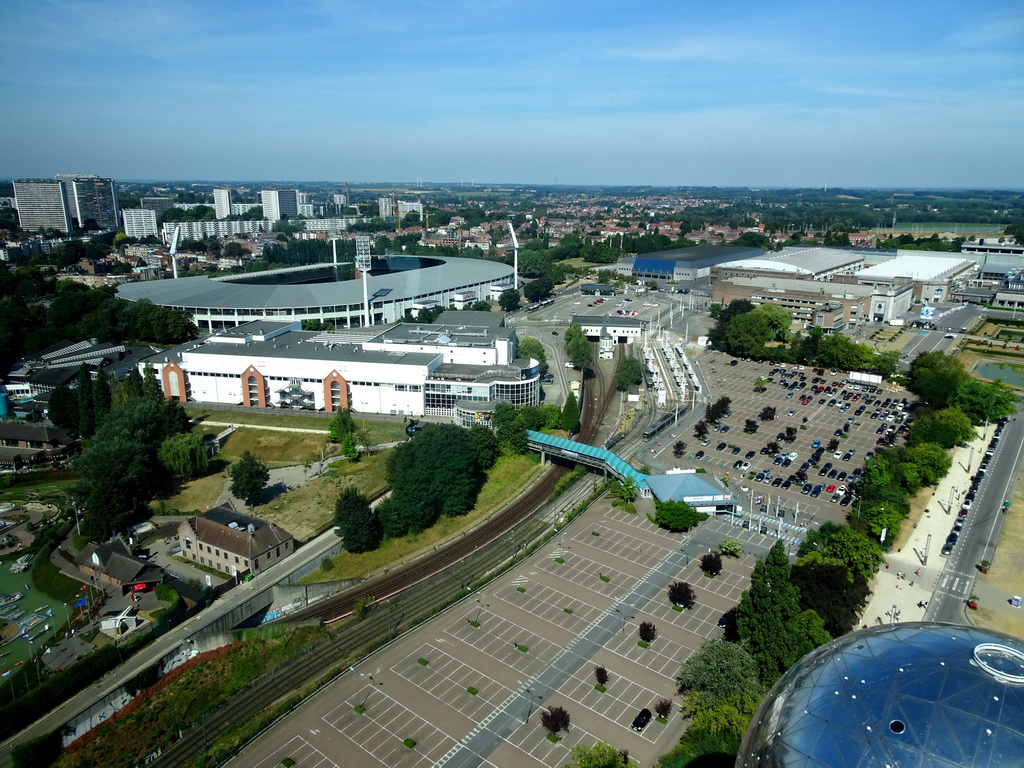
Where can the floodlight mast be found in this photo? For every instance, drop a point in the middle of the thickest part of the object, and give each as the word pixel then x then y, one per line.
pixel 363 265
pixel 174 250
pixel 515 256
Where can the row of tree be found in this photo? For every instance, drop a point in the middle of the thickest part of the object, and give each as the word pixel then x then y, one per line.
pixel 762 332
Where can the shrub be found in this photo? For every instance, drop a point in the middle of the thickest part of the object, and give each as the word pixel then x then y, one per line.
pixel 648 632
pixel 680 593
pixel 711 563
pixel 555 719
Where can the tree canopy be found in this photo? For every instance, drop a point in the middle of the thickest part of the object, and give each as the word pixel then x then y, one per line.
pixel 766 616
pixel 355 522
pixel 249 477
pixel 437 473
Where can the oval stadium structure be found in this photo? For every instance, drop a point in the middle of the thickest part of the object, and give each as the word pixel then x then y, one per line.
pixel 397 287
pixel 913 695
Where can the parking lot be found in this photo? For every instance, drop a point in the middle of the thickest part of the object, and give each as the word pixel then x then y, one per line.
pixel 831 415
pixel 467 687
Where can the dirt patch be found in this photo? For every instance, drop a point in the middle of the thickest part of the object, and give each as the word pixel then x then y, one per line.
pixel 1004 576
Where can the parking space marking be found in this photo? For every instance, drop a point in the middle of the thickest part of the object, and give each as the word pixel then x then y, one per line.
pixel 385 716
pixel 299 750
pixel 447 679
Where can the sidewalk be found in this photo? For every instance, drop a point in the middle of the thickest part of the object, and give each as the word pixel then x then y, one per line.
pixel 902 594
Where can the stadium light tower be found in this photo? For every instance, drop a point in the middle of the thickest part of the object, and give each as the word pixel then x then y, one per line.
pixel 174 251
pixel 515 256
pixel 363 265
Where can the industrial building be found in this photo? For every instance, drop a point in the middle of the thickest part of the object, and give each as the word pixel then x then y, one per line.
pixel 815 263
pixel 682 264
pixel 811 301
pixel 458 367
pixel 930 273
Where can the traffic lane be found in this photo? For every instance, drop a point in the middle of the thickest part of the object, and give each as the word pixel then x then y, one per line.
pixel 982 524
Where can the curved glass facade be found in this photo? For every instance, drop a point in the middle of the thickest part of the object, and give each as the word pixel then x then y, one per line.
pixel 915 694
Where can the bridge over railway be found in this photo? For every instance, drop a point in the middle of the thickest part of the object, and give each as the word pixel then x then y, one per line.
pixel 581 453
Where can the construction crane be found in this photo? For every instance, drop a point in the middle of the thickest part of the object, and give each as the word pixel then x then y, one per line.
pixel 515 255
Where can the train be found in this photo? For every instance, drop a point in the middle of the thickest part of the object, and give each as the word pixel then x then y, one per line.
pixel 663 421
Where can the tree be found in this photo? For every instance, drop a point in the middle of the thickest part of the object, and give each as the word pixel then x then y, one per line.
pixel 750 426
pixel 630 373
pixel 531 347
pixel 184 455
pixel 601 676
pixel 100 397
pixel 772 447
pixel 509 300
pixel 747 334
pixel 678 448
pixel 760 384
pixel 86 410
pixel 828 588
pixel 485 441
pixel 790 434
pixel 840 542
pixel 555 719
pixel 663 708
pixel 984 401
pixel 676 515
pixel 600 755
pixel 628 490
pixel 700 429
pixel 578 349
pixel 249 477
pixel 537 289
pixel 833 444
pixel 340 424
pixel 730 548
pixel 778 319
pixel 767 413
pixel 947 427
pixel 355 522
pixel 570 414
pixel 721 670
pixel 63 409
pixel 766 616
pixel 349 448
pixel 934 376
pixel 433 475
pixel 930 462
pixel 680 593
pixel 711 563
pixel 647 631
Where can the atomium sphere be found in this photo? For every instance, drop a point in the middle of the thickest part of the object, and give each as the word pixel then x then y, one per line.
pixel 912 695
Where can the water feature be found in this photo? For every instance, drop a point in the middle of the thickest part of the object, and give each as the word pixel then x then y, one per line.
pixel 1007 372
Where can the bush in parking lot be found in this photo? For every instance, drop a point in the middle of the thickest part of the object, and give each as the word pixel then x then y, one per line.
pixel 680 593
pixel 730 548
pixel 711 563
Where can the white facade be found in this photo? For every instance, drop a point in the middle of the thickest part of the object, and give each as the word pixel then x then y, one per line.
pixel 278 203
pixel 268 364
pixel 196 230
pixel 405 207
pixel 139 222
pixel 340 200
pixel 222 203
pixel 384 207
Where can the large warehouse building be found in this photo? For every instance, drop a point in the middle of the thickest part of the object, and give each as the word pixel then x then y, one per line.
pixel 458 367
pixel 815 263
pixel 930 274
pixel 398 288
pixel 683 264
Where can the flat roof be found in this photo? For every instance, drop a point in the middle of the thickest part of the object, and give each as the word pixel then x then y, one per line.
pixel 302 345
pixel 821 288
pixel 930 267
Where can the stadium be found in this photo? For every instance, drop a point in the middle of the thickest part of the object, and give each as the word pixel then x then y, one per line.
pixel 397 288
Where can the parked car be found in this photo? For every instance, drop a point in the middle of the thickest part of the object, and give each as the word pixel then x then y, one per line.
pixel 641 720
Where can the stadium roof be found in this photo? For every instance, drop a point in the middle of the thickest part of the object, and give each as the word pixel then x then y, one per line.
pixel 443 274
pixel 768 265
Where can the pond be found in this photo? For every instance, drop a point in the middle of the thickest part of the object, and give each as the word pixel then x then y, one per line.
pixel 1007 372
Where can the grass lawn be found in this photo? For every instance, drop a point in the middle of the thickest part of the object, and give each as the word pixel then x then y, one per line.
pixel 379 430
pixel 276 449
pixel 503 482
pixel 308 509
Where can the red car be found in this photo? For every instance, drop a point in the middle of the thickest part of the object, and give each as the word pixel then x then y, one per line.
pixel 830 489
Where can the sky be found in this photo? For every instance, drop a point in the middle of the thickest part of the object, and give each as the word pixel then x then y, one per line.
pixel 791 93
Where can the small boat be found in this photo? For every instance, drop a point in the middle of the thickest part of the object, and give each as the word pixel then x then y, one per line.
pixel 11 598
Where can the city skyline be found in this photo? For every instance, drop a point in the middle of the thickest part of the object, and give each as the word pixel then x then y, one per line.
pixel 736 94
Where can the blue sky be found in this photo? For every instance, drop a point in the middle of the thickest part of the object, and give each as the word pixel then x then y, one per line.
pixel 898 93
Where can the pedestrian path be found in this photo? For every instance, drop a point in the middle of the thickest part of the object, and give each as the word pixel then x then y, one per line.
pixel 903 588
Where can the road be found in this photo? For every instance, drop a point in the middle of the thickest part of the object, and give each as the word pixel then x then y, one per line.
pixel 984 523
